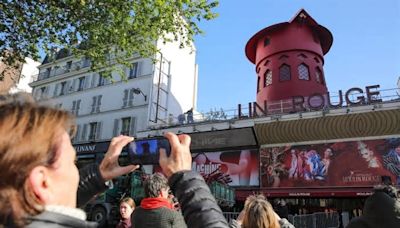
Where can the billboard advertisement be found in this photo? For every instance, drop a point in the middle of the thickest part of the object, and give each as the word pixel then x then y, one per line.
pixel 339 164
pixel 235 168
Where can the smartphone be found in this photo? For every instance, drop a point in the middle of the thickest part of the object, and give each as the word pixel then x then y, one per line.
pixel 147 151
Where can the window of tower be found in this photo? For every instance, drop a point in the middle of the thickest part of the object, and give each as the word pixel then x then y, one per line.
pixel 266 41
pixel 268 78
pixel 304 73
pixel 319 77
pixel 284 73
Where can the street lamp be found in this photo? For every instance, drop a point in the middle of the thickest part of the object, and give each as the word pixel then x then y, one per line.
pixel 139 91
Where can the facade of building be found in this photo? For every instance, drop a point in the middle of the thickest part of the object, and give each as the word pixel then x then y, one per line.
pixel 152 93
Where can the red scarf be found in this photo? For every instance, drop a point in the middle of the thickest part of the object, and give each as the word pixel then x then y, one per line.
pixel 153 203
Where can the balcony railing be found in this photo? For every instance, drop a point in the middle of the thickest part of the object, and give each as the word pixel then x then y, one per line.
pixel 63 70
pixel 281 107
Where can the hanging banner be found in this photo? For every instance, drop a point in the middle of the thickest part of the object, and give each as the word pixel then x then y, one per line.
pixel 339 164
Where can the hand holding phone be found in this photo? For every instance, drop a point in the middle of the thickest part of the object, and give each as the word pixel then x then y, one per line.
pixel 147 151
pixel 180 158
pixel 109 167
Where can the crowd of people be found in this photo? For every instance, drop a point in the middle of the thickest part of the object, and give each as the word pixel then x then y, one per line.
pixel 40 185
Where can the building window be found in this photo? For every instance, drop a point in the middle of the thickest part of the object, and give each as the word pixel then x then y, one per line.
pixel 76 105
pixel 267 41
pixel 81 84
pixel 284 73
pixel 86 62
pixel 92 131
pixel 127 100
pixel 126 125
pixel 42 92
pixel 63 88
pixel 268 78
pixel 101 79
pixel 48 71
pixel 133 70
pixel 68 66
pixel 303 72
pixel 96 103
pixel 258 84
pixel 319 76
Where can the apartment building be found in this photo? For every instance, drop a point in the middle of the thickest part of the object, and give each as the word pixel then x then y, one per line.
pixel 153 92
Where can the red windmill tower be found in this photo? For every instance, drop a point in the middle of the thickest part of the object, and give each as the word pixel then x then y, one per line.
pixel 289 59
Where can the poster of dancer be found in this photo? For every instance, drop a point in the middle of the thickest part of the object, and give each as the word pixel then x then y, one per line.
pixel 338 164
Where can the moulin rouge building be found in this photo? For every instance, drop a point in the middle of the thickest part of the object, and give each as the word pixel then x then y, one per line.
pixel 297 141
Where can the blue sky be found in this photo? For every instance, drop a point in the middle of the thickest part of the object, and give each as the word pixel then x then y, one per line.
pixel 365 50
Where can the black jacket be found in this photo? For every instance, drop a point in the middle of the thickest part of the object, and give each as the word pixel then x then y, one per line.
pixel 157 218
pixel 197 203
pixel 380 210
pixel 56 220
pixel 90 184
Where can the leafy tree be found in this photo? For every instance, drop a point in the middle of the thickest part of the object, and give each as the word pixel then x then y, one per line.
pixel 97 28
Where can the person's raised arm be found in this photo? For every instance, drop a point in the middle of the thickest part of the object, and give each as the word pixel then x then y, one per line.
pixel 198 206
pixel 93 177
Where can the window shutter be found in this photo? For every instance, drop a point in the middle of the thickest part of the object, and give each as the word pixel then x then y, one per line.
pixel 98 103
pixel 56 90
pixel 131 95
pixel 78 106
pixel 138 69
pixel 98 130
pixel 84 132
pixel 78 131
pixel 132 130
pixel 94 104
pixel 75 85
pixel 67 88
pixel 125 99
pixel 87 84
pixel 46 91
pixel 116 127
pixel 73 107
pixel 94 80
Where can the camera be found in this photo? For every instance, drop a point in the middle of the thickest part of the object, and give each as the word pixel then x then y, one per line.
pixel 147 151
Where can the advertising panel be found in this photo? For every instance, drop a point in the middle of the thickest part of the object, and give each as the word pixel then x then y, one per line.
pixel 339 164
pixel 235 168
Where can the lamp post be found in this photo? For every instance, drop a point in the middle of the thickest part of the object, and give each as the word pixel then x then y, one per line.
pixel 139 91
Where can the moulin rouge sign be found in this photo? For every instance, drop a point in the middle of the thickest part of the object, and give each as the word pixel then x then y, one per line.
pixel 317 101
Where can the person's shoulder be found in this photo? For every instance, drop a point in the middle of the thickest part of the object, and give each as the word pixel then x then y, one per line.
pixel 358 222
pixel 284 223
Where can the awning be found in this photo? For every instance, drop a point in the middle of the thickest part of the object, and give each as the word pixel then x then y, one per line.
pixel 241 194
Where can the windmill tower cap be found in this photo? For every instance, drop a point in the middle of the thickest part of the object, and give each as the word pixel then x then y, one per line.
pixel 324 35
